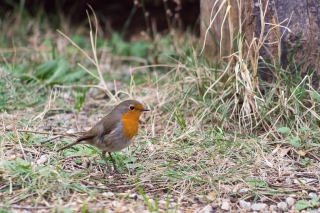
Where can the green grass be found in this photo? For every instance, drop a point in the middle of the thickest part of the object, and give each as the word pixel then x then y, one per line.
pixel 207 137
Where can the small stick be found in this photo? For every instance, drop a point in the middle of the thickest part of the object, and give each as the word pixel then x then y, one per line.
pixel 46 133
pixel 27 207
pixel 314 156
pixel 21 147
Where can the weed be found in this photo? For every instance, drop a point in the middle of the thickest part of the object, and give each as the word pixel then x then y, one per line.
pixel 303 204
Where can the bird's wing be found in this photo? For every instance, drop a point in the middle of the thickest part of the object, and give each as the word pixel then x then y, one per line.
pixel 103 127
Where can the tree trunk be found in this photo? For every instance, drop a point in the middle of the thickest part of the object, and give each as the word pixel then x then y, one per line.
pixel 298 47
pixel 288 32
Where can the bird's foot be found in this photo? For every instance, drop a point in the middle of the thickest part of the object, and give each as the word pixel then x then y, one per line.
pixel 112 172
pixel 115 171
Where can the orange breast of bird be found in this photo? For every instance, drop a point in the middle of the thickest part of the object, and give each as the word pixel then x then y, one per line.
pixel 130 122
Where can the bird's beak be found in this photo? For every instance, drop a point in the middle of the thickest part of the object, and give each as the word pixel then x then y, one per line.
pixel 145 109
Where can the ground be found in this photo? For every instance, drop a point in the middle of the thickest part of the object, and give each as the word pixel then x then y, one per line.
pixel 214 140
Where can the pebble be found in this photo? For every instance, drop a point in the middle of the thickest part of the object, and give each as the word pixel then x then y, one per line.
pixel 273 208
pixel 140 197
pixel 115 203
pixel 311 194
pixel 12 157
pixel 210 198
pixel 206 209
pixel 201 199
pixel 282 206
pixel 214 205
pixel 150 185
pixel 140 207
pixel 108 194
pixel 245 205
pixel 100 185
pixel 258 206
pixel 313 211
pixel 290 201
pixel 162 203
pixel 42 159
pixel 225 206
pixel 172 205
pixel 151 201
pixel 70 131
pixel 263 199
pixel 119 207
pixel 233 200
pixel 133 196
pixel 243 190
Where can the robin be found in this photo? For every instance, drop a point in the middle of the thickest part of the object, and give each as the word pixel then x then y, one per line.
pixel 115 131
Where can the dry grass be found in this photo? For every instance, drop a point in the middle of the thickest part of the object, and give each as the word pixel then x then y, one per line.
pixel 204 139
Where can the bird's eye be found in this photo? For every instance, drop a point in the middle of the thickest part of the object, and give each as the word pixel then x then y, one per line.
pixel 131 107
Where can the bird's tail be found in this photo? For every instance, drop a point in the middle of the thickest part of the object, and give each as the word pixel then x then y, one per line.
pixel 67 146
pixel 80 140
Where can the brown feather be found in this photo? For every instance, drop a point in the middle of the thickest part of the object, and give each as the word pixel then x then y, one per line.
pixel 115 131
pixel 103 127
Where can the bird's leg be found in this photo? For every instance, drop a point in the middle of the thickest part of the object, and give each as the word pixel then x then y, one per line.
pixel 105 159
pixel 114 163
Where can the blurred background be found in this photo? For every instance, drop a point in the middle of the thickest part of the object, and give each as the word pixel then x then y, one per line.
pixel 128 18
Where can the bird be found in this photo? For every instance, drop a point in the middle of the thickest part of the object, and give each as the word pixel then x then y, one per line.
pixel 115 131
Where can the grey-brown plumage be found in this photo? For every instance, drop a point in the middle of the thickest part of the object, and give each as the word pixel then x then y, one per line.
pixel 115 131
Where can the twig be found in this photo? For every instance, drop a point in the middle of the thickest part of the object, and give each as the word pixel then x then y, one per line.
pixel 46 133
pixel 313 156
pixel 21 147
pixel 25 207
